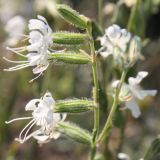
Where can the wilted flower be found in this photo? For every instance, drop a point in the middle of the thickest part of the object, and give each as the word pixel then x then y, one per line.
pixel 40 39
pixel 132 91
pixel 43 117
pixel 15 28
pixel 119 43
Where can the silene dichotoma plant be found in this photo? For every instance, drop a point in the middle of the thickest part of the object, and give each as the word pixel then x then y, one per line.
pixel 47 114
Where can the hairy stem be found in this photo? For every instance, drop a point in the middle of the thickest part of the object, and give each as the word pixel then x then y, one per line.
pixel 109 121
pixel 95 91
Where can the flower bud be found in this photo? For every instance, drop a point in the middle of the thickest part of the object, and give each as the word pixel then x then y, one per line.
pixel 71 58
pixel 72 16
pixel 68 38
pixel 134 50
pixel 73 106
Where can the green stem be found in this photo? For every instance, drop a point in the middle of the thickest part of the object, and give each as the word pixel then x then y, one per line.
pixel 132 16
pixel 95 91
pixel 110 118
pixel 100 12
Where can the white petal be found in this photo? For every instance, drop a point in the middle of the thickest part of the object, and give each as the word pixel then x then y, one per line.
pixel 40 69
pixel 42 18
pixel 103 40
pixel 34 36
pixel 113 32
pixel 55 135
pixel 49 99
pixel 34 46
pixel 63 116
pixel 57 117
pixel 140 76
pixel 41 136
pixel 105 54
pixel 143 93
pixel 115 83
pixel 32 105
pixel 133 107
pixel 34 60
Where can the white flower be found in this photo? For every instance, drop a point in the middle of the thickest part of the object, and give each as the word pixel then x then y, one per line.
pixel 15 28
pixel 123 156
pixel 114 41
pixel 40 39
pixel 43 117
pixel 119 43
pixel 132 91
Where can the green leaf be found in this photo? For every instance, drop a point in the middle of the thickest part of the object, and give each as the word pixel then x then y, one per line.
pixel 68 38
pixel 71 58
pixel 73 106
pixel 74 132
pixel 72 16
pixel 154 150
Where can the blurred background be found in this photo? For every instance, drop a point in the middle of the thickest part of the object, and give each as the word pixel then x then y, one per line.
pixel 132 136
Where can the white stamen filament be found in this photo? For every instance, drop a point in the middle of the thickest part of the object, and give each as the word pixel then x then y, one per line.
pixel 28 125
pixel 17 50
pixel 27 137
pixel 17 119
pixel 18 67
pixel 36 77
pixel 24 139
pixel 8 60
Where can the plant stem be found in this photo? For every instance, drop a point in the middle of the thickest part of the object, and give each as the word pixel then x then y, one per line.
pixel 132 16
pixel 100 12
pixel 95 91
pixel 109 121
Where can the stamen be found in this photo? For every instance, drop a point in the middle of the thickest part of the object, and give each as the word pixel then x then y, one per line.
pixel 17 119
pixel 31 81
pixel 25 39
pixel 8 60
pixel 30 123
pixel 28 137
pixel 24 139
pixel 17 50
pixel 18 67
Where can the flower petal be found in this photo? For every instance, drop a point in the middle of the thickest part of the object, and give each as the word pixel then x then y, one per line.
pixel 40 69
pixel 32 104
pixel 49 99
pixel 133 107
pixel 140 76
pixel 143 93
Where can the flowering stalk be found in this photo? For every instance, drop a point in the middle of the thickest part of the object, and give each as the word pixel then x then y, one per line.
pixel 95 90
pixel 108 123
